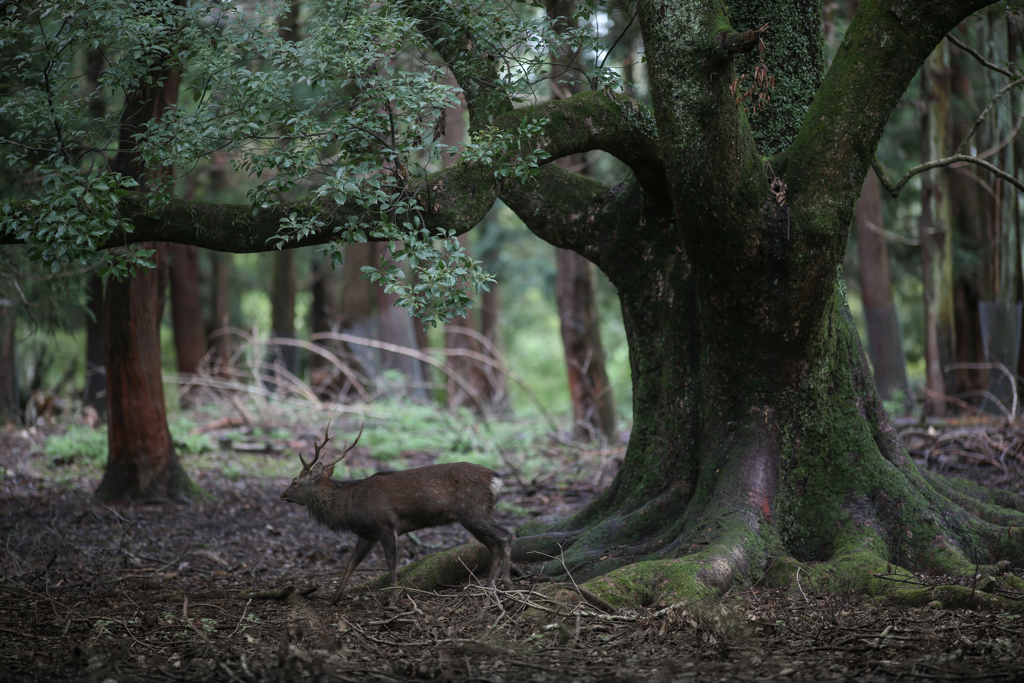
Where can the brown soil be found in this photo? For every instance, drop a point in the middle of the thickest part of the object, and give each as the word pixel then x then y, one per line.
pixel 237 589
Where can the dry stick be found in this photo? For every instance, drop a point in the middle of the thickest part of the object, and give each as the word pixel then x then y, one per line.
pixel 988 366
pixel 473 355
pixel 184 614
pixel 405 351
pixel 350 374
pixel 242 618
pixel 801 587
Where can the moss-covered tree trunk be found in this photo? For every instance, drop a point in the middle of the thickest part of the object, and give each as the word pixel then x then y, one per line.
pixel 759 440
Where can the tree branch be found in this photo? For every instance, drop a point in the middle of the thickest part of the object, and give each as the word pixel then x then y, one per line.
pixel 739 43
pixel 884 47
pixel 977 55
pixel 984 113
pixel 894 189
pixel 592 120
pixel 456 198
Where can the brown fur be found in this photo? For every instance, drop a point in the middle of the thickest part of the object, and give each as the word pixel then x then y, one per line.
pixel 386 505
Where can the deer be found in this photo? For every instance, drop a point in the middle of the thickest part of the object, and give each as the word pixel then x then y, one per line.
pixel 389 504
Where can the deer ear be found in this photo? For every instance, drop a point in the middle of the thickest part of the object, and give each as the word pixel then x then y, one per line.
pixel 329 471
pixel 316 470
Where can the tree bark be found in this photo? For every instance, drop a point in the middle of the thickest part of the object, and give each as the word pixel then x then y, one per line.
pixel 10 407
pixel 885 337
pixel 593 406
pixel 458 334
pixel 96 349
pixel 396 327
pixel 220 318
pixel 186 313
pixel 141 463
pixel 936 234
pixel 282 298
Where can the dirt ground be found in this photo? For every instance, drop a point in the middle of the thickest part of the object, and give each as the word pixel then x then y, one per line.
pixel 237 589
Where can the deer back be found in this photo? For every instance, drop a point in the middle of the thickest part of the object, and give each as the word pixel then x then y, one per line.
pixel 407 500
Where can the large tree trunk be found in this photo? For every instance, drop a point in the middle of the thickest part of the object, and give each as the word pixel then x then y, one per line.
pixel 141 464
pixel 759 441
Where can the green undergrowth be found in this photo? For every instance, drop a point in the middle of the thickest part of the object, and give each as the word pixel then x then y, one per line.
pixel 88 445
pixel 397 434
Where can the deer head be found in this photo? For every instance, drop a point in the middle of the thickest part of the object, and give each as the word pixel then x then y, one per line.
pixel 302 487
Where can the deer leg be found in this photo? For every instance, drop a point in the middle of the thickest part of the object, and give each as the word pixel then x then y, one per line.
pixel 499 542
pixel 358 555
pixel 389 542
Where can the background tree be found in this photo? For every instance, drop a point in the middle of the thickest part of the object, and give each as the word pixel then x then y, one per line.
pixel 885 337
pixel 593 405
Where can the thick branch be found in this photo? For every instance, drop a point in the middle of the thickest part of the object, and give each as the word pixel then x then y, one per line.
pixel 884 47
pixel 456 198
pixel 592 120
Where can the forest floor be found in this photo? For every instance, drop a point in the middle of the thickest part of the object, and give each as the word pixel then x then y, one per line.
pixel 236 588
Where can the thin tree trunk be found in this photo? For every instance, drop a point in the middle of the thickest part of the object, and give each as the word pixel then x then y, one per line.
pixel 322 289
pixel 96 349
pixel 396 327
pixel 970 204
pixel 885 337
pixel 1001 317
pixel 282 299
pixel 10 408
pixel 593 406
pixel 936 235
pixel 186 312
pixel 220 316
pixel 456 336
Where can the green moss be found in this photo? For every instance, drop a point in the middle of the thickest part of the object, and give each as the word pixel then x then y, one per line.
pixel 652 583
pixel 794 57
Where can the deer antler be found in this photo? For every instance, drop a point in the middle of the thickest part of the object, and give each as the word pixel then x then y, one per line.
pixel 317 447
pixel 347 447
